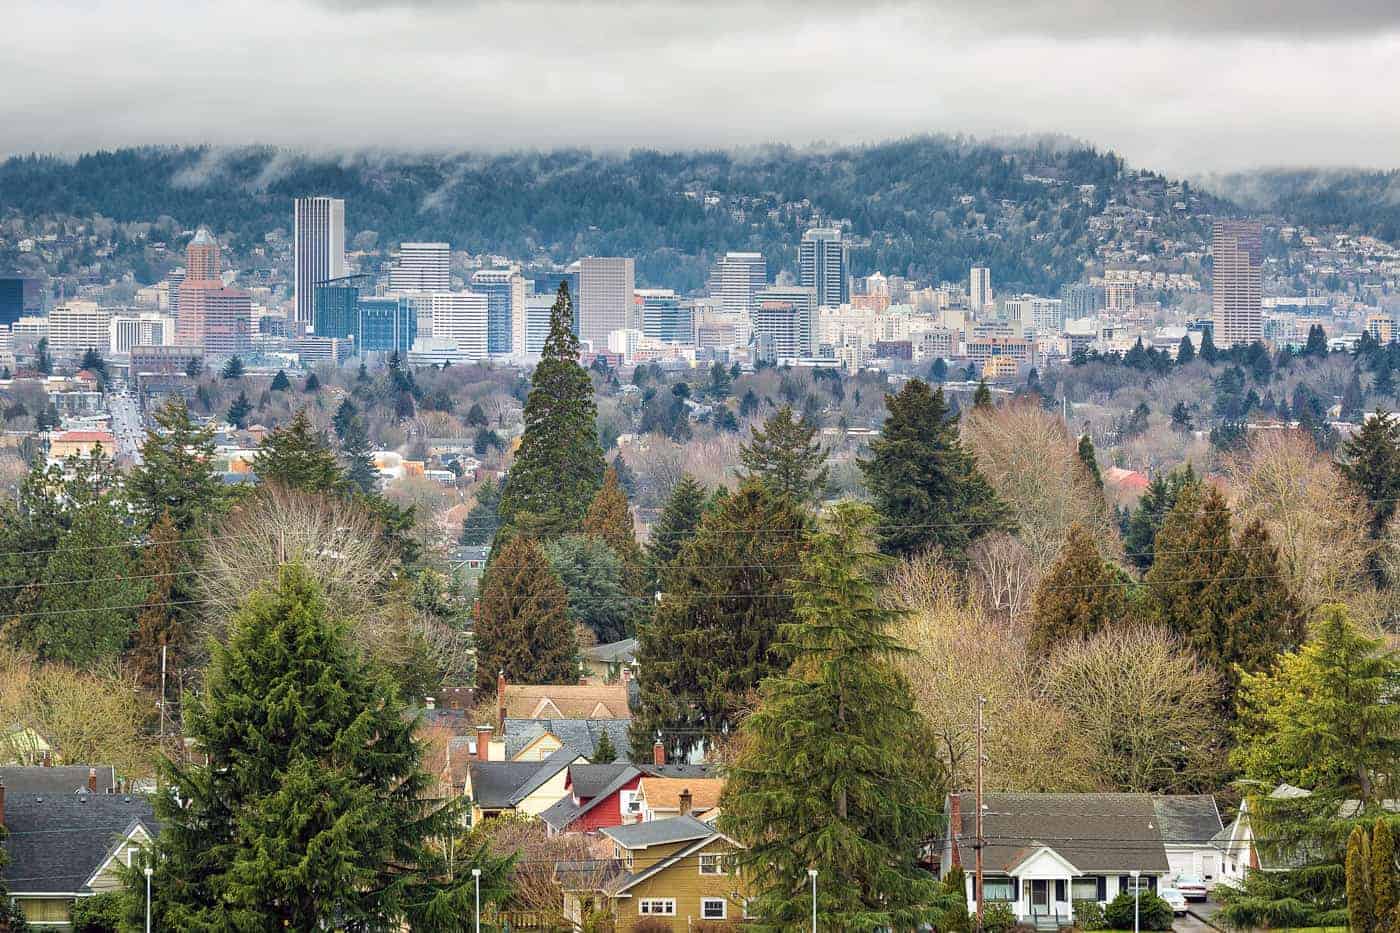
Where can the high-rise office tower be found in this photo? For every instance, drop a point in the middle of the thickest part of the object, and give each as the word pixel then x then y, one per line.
pixel 19 296
pixel 336 306
pixel 979 289
pixel 318 250
pixel 386 325
pixel 605 288
pixel 78 326
pixel 209 315
pixel 202 262
pixel 505 303
pixel 1237 253
pixel 538 309
pixel 666 316
pixel 823 263
pixel 422 267
pixel 464 319
pixel 782 323
pixel 736 279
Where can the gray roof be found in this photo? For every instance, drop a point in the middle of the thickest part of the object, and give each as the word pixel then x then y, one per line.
pixel 589 781
pixel 1187 819
pixel 46 860
pixel 1093 832
pixel 579 734
pixel 61 779
pixel 624 651
pixel 659 832
pixel 498 785
pixel 587 784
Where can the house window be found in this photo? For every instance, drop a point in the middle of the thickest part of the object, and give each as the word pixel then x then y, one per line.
pixel 657 907
pixel 1089 888
pixel 999 889
pixel 712 865
pixel 631 801
pixel 1059 889
pixel 712 908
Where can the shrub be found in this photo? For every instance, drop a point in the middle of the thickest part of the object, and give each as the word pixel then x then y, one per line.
pixel 102 913
pixel 998 918
pixel 1153 912
pixel 1089 915
pixel 651 925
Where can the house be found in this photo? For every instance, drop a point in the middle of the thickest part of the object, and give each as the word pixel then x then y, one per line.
pixel 529 787
pixel 661 797
pixel 537 739
pixel 1189 824
pixel 21 745
pixel 60 779
pixel 1043 852
pixel 604 664
pixel 560 701
pixel 47 871
pixel 603 795
pixel 678 871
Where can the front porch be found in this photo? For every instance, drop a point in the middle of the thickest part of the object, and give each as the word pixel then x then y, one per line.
pixel 1044 887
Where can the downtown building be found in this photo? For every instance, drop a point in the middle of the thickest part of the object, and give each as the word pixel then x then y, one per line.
pixel 318 251
pixel 422 267
pixel 20 296
pixel 736 280
pixel 211 315
pixel 783 323
pixel 666 316
pixel 461 320
pixel 76 327
pixel 1237 253
pixel 823 261
pixel 604 302
pixel 505 309
pixel 979 289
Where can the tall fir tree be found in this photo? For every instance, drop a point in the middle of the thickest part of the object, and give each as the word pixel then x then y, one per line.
pixel 357 453
pixel 239 411
pixel 1080 595
pixel 609 519
pixel 677 524
pixel 280 382
pixel 1090 459
pixel 311 808
pixel 345 413
pixel 1208 352
pixel 1361 912
pixel 522 626
pixel 1371 461
pixel 169 613
pixel 559 466
pixel 785 456
pixel 1352 398
pixel 824 779
pixel 712 637
pixel 298 456
pixel 1157 502
pixel 604 752
pixel 982 398
pixel 234 368
pixel 483 518
pixel 1185 351
pixel 1317 341
pixel 925 485
pixel 1385 885
pixel 596 581
pixel 176 475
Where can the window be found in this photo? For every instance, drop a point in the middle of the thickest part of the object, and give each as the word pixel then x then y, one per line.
pixel 1059 889
pixel 712 865
pixel 631 801
pixel 999 889
pixel 712 908
pixel 657 907
pixel 1090 888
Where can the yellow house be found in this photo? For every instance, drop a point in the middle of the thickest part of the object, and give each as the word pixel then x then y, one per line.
pixel 678 871
pixel 529 787
pixel 661 797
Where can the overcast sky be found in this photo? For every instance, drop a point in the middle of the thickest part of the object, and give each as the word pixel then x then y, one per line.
pixel 1213 85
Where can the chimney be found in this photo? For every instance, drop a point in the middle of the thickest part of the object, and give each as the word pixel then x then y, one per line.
pixel 2 805
pixel 687 799
pixel 658 754
pixel 955 823
pixel 483 743
pixel 430 702
pixel 501 701
pixel 626 674
pixel 92 780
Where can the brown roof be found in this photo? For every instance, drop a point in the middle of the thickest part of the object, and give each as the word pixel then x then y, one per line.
pixel 555 701
pixel 665 793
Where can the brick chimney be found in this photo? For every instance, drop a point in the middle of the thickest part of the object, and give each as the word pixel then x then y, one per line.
pixel 501 701
pixel 483 743
pixel 955 823
pixel 92 780
pixel 687 801
pixel 658 754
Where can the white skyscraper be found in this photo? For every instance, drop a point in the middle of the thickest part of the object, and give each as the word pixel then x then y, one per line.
pixel 460 317
pixel 823 263
pixel 422 267
pixel 782 323
pixel 736 279
pixel 318 249
pixel 605 298
pixel 979 292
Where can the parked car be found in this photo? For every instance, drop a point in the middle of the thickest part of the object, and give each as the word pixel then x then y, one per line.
pixel 1175 898
pixel 1191 887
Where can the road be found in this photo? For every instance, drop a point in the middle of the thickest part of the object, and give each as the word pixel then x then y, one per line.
pixel 126 424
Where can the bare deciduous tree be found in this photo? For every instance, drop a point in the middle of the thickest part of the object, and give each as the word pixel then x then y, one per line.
pixel 1004 575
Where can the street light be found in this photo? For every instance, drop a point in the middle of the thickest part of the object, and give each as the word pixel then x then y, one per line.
pixel 476 880
pixel 812 873
pixel 149 872
pixel 1136 888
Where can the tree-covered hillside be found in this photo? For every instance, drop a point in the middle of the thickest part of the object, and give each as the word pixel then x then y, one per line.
pixel 926 207
pixel 1354 201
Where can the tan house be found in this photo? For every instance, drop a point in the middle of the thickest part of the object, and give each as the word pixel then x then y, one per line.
pixel 659 798
pixel 80 444
pixel 559 701
pixel 678 871
pixel 610 663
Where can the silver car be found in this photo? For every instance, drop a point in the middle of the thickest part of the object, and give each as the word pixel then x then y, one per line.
pixel 1175 898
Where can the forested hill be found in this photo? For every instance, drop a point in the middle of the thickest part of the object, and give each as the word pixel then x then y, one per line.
pixel 1354 201
pixel 924 207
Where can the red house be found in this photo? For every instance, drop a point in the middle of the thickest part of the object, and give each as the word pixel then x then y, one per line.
pixel 604 795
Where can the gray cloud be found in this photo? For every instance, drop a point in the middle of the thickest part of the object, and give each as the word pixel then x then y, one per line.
pixel 1212 90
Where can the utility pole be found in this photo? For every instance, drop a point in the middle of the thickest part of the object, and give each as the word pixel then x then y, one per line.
pixel 977 845
pixel 162 694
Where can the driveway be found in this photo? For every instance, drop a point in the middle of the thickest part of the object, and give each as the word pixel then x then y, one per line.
pixel 1197 918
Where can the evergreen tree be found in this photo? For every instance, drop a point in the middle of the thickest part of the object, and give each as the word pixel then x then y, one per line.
pixel 676 525
pixel 604 753
pixel 1317 341
pixel 476 416
pixel 1185 351
pixel 938 372
pixel 925 485
pixel 1361 912
pixel 720 382
pixel 359 462
pixel 1157 502
pixel 195 367
pixel 824 778
pixel 609 519
pixel 1208 351
pixel 522 625
pixel 1385 886
pixel 168 615
pixel 784 455
pixel 345 413
pixel 176 474
pixel 626 478
pixel 1080 595
pixel 297 456
pixel 43 360
pixel 280 382
pixel 595 579
pixel 559 465
pixel 239 411
pixel 1090 459
pixel 94 363
pixel 233 369
pixel 982 398
pixel 711 639
pixel 312 384
pixel 1181 417
pixel 311 809
pixel 1371 460
pixel 479 527
pixel 1352 398
pixel 748 405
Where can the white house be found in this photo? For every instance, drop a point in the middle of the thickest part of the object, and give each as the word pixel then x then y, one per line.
pixel 1190 825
